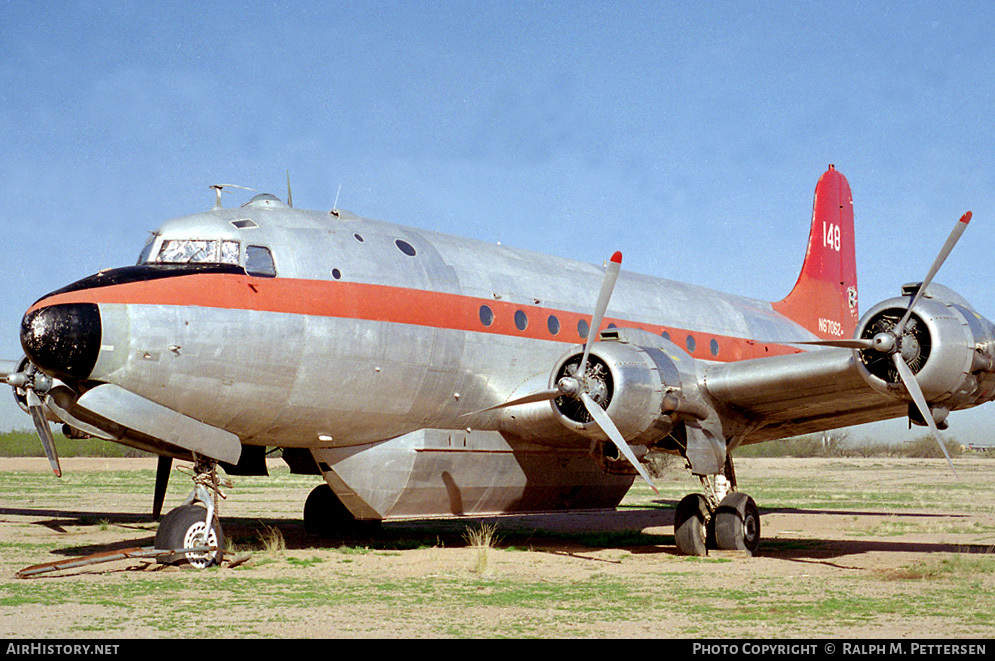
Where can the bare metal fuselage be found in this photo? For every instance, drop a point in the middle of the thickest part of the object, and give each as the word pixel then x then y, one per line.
pixel 379 348
pixel 395 343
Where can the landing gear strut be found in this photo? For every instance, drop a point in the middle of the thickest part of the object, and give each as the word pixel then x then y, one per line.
pixel 721 518
pixel 193 528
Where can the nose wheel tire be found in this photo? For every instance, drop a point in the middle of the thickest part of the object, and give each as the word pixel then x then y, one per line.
pixel 737 523
pixel 184 528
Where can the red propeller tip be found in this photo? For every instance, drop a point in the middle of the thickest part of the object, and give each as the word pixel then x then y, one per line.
pixel 617 257
pixel 966 218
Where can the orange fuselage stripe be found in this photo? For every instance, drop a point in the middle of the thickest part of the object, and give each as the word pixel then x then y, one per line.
pixel 353 300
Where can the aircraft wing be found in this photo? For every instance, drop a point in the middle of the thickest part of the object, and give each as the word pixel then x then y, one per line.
pixel 770 398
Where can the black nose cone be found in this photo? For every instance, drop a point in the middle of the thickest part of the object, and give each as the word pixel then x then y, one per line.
pixel 63 340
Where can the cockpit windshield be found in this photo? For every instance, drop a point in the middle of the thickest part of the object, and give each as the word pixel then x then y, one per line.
pixel 196 251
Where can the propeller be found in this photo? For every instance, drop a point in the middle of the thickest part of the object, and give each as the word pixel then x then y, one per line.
pixel 163 466
pixel 909 379
pixel 576 385
pixel 30 382
pixel 890 341
pixel 608 427
pixel 570 385
pixel 855 343
pixel 607 287
pixel 951 241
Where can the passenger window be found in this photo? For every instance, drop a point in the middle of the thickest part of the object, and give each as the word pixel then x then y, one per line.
pixel 405 247
pixel 553 325
pixel 259 261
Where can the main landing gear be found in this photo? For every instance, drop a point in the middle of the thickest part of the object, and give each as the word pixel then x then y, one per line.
pixel 192 529
pixel 720 518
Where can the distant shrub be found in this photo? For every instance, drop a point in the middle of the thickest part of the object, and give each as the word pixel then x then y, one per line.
pixel 25 443
pixel 815 445
pixel 812 445
pixel 926 447
pixel 659 463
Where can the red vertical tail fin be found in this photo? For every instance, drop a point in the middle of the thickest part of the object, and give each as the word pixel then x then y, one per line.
pixel 824 300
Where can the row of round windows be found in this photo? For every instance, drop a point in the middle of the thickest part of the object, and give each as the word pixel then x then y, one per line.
pixel 583 328
pixel 522 319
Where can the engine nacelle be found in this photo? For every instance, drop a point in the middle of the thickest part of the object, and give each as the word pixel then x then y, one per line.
pixel 636 377
pixel 946 344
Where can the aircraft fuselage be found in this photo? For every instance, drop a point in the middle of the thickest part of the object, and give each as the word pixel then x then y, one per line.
pixel 371 330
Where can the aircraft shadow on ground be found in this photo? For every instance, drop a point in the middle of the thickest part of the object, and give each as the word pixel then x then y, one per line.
pixel 634 529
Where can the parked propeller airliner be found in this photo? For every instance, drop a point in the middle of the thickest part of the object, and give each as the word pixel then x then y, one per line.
pixel 426 375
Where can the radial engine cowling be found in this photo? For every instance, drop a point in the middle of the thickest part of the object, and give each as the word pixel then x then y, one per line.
pixel 635 376
pixel 947 346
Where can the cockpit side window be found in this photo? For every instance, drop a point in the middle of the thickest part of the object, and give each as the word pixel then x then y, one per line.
pixel 259 261
pixel 198 251
pixel 147 249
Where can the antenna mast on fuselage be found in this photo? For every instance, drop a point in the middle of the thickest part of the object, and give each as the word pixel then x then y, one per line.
pixel 220 187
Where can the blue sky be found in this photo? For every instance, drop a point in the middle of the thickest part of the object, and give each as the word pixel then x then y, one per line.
pixel 689 135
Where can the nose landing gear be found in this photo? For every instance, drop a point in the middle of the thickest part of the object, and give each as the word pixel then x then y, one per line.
pixel 193 529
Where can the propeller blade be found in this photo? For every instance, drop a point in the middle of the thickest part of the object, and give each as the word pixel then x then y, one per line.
pixel 44 431
pixel 163 467
pixel 909 379
pixel 7 367
pixel 856 343
pixel 608 427
pixel 538 396
pixel 937 263
pixel 607 286
pixel 566 386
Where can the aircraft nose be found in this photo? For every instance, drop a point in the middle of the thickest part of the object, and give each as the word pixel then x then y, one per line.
pixel 63 340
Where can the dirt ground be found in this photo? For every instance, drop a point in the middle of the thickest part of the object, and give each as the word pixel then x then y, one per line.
pixel 838 535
